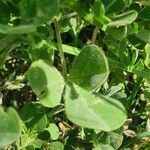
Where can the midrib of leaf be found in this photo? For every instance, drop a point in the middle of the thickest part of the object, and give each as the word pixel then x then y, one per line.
pixel 111 3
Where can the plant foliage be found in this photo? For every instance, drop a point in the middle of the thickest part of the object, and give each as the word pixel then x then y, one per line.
pixel 74 75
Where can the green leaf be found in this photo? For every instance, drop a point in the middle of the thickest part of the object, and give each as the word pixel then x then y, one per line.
pixel 145 13
pixel 113 37
pixel 6 41
pixel 90 69
pixel 83 8
pixel 123 19
pixel 105 139
pixel 99 13
pixel 39 122
pixel 41 53
pixel 4 12
pixel 112 6
pixel 24 138
pixel 56 146
pixel 5 44
pixel 38 12
pixel 91 111
pixel 21 29
pixel 145 73
pixel 107 147
pixel 66 48
pixel 27 112
pixel 37 143
pixel 116 33
pixel 124 55
pixel 30 140
pixel 144 35
pixel 53 130
pixel 46 82
pixel 146 93
pixel 115 139
pixel 9 127
pixel 113 90
pixel 97 148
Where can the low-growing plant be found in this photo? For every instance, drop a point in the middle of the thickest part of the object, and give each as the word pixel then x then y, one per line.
pixel 74 75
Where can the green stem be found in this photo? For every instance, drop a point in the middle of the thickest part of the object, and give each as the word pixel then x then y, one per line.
pixel 94 35
pixel 134 92
pixel 63 62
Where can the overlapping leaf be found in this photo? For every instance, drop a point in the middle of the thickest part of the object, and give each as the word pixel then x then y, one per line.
pixel 92 111
pixel 9 127
pixel 38 12
pixel 123 19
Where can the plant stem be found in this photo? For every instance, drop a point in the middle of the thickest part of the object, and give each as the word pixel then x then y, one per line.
pixel 94 35
pixel 63 62
pixel 134 92
pixel 130 142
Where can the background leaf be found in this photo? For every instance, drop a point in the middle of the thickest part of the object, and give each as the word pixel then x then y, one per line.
pixel 22 29
pixel 53 130
pixel 46 82
pixel 38 12
pixel 144 35
pixel 39 122
pixel 112 6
